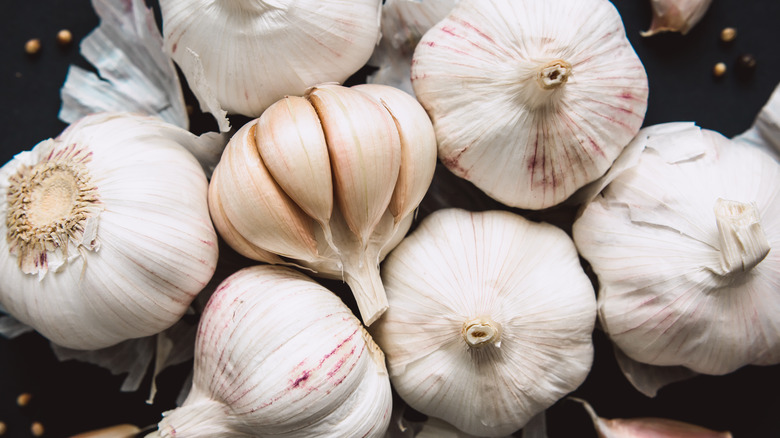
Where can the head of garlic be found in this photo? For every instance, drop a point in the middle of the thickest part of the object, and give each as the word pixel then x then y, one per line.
pixel 683 241
pixel 676 15
pixel 327 181
pixel 530 100
pixel 266 49
pixel 490 319
pixel 277 354
pixel 107 234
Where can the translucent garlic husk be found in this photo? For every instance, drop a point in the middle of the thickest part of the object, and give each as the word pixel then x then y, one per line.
pixel 279 355
pixel 530 100
pixel 490 319
pixel 329 182
pixel 682 242
pixel 647 427
pixel 676 15
pixel 403 24
pixel 107 232
pixel 266 49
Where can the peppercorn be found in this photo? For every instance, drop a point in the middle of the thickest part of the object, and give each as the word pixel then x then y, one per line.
pixel 745 66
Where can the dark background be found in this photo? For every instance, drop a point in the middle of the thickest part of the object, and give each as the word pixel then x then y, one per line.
pixel 72 397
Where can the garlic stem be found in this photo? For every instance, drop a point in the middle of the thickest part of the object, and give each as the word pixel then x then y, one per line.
pixel 362 276
pixel 482 331
pixel 743 244
pixel 553 74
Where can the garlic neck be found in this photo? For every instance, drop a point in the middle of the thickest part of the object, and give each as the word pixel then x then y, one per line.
pixel 743 244
pixel 480 332
pixel 540 83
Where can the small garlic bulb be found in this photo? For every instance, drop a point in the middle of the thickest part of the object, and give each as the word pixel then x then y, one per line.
pixel 490 319
pixel 279 355
pixel 328 181
pixel 247 54
pixel 676 15
pixel 530 100
pixel 107 232
pixel 684 243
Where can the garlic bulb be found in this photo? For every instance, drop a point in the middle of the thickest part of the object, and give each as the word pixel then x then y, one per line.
pixel 490 319
pixel 530 100
pixel 676 15
pixel 647 427
pixel 265 50
pixel 279 355
pixel 328 181
pixel 681 241
pixel 403 24
pixel 107 232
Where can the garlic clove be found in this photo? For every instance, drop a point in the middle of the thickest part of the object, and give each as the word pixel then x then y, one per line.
pixel 647 427
pixel 277 224
pixel 365 153
pixel 233 238
pixel 530 101
pixel 676 15
pixel 292 144
pixel 418 147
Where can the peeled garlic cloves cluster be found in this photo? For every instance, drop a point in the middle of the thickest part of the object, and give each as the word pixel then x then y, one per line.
pixel 327 181
pixel 490 319
pixel 265 50
pixel 531 100
pixel 277 354
pixel 106 231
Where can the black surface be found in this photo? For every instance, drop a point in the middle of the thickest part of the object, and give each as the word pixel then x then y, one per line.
pixel 72 397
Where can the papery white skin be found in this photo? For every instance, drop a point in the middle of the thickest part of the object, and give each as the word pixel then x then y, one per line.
pixel 279 355
pixel 647 427
pixel 523 276
pixel 676 15
pixel 329 182
pixel 148 249
pixel 403 24
pixel 266 49
pixel 476 71
pixel 652 239
pixel 765 132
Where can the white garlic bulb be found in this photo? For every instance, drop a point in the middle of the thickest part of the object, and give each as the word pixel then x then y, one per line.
pixel 107 232
pixel 277 354
pixel 676 15
pixel 243 55
pixel 683 243
pixel 530 100
pixel 490 319
pixel 328 181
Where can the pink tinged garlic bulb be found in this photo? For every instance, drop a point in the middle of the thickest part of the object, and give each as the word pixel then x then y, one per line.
pixel 676 15
pixel 683 243
pixel 107 235
pixel 647 427
pixel 490 319
pixel 279 355
pixel 329 182
pixel 530 100
pixel 266 49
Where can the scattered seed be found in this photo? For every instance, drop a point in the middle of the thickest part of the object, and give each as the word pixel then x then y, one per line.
pixel 3 428
pixel 719 69
pixel 728 34
pixel 36 428
pixel 64 37
pixel 33 46
pixel 24 399
pixel 745 65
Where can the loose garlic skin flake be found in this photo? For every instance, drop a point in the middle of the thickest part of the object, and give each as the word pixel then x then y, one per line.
pixel 530 100
pixel 684 243
pixel 490 319
pixel 279 355
pixel 329 182
pixel 107 234
pixel 247 54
